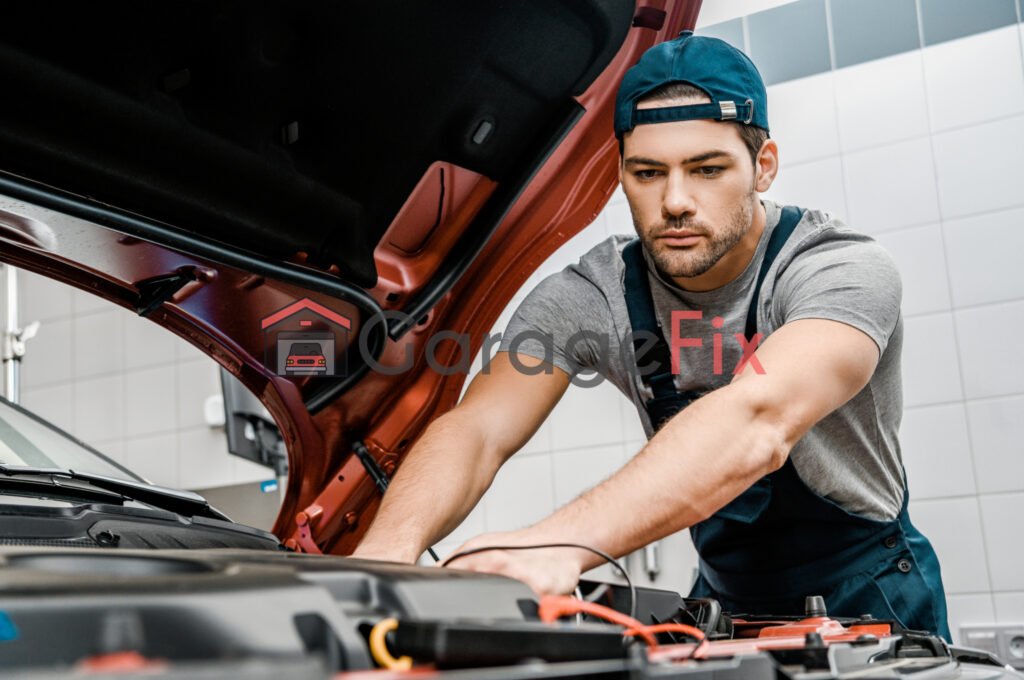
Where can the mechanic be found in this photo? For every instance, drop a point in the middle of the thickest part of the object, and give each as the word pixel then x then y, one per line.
pixel 761 345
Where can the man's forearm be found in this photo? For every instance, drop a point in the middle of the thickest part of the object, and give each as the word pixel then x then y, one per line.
pixel 437 485
pixel 699 461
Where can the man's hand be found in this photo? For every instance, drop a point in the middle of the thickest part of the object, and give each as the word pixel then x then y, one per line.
pixel 548 571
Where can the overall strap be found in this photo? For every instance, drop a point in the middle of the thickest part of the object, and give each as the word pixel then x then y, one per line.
pixel 787 224
pixel 640 304
pixel 642 318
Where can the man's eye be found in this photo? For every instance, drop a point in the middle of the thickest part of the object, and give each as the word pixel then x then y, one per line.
pixel 645 174
pixel 709 170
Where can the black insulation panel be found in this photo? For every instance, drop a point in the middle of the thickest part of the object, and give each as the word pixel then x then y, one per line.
pixel 280 127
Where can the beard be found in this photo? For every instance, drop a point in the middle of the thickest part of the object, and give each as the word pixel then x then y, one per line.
pixel 696 259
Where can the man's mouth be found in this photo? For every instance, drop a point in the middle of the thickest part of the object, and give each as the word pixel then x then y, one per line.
pixel 679 239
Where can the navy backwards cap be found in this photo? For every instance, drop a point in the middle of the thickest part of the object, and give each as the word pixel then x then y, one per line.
pixel 727 75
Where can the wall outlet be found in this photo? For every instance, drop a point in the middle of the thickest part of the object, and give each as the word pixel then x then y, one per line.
pixel 1005 640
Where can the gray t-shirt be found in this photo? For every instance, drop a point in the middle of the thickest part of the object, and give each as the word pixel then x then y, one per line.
pixel 826 270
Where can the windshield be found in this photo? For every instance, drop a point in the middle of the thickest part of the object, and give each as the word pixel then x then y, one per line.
pixel 29 441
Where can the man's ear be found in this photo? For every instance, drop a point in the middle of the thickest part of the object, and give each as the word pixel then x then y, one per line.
pixel 767 165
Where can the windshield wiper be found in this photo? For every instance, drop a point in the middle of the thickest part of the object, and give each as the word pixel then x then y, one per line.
pixel 178 501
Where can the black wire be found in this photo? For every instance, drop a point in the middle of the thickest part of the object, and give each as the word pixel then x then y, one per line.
pixel 607 558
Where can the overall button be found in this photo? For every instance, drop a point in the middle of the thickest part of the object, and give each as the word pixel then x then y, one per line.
pixel 904 566
pixel 891 541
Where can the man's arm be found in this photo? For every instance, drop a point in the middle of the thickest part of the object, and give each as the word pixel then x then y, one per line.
pixel 454 462
pixel 701 459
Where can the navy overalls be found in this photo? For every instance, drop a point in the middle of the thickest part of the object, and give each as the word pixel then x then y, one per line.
pixel 779 541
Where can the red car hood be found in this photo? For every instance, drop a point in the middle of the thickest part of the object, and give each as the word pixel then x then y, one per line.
pixel 212 165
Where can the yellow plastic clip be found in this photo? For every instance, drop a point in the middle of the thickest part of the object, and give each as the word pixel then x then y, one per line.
pixel 379 648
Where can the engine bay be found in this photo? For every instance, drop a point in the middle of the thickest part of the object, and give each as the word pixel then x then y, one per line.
pixel 234 613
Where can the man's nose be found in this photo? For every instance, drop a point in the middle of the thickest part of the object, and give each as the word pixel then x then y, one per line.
pixel 678 199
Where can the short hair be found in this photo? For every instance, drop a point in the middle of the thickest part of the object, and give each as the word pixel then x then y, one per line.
pixel 753 137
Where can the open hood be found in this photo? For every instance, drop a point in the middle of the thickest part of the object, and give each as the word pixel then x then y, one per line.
pixel 372 173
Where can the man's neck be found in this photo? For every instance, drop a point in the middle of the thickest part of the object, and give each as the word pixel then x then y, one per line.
pixel 733 263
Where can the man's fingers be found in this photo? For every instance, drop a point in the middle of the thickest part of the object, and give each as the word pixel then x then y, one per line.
pixel 543 576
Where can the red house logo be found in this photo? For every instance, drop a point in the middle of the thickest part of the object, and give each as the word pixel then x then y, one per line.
pixel 303 338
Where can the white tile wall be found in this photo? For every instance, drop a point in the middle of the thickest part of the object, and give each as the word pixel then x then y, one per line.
pixel 978 167
pixel 618 218
pixel 522 493
pixel 202 458
pixel 98 408
pixel 881 101
pixel 967 609
pixel 86 303
pixel 146 343
pixel 1009 607
pixel 937 452
pixel 577 470
pixel 803 119
pixel 111 449
pixel 55 404
pixel 575 421
pixel 197 380
pixel 153 456
pixel 43 299
pixel 931 368
pixel 150 403
pixel 952 76
pixel 997 435
pixel 891 186
pixel 921 258
pixel 99 343
pixel 49 362
pixel 987 336
pixel 981 252
pixel 953 525
pixel 811 184
pixel 1003 516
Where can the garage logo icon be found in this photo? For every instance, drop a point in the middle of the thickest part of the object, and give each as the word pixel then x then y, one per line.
pixel 302 340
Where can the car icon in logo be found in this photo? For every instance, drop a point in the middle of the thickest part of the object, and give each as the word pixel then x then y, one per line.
pixel 305 358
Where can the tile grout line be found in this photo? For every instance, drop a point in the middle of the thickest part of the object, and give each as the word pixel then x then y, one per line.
pixel 953 309
pixel 956 330
pixel 957 218
pixel 843 170
pixel 967 402
pixel 1020 33
pixel 830 36
pixel 967 496
pixel 911 138
pixel 832 57
pixel 745 27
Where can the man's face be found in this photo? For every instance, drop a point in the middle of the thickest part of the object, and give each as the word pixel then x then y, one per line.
pixel 691 187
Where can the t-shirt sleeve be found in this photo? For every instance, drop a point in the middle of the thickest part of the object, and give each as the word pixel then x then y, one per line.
pixel 852 280
pixel 561 321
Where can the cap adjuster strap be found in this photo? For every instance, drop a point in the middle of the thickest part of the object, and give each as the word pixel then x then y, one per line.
pixel 724 110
